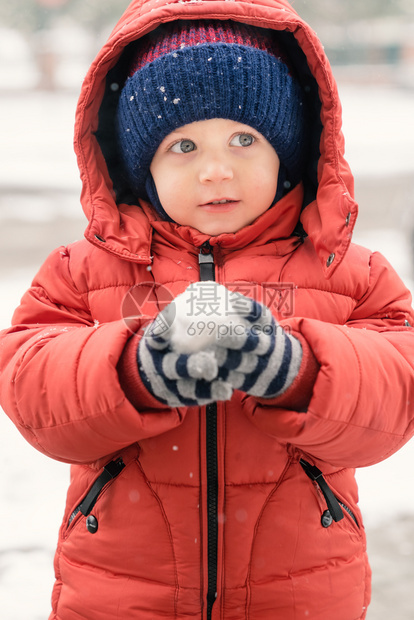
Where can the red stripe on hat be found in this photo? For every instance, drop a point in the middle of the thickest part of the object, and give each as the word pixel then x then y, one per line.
pixel 183 34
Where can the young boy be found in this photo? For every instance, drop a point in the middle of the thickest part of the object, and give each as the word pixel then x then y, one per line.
pixel 216 357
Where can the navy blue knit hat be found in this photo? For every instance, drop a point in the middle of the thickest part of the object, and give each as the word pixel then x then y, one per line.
pixel 192 71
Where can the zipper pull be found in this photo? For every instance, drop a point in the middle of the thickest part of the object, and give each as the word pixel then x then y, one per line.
pixel 316 475
pixel 110 471
pixel 206 262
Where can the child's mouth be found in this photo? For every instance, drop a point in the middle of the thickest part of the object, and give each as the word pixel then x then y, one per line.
pixel 222 205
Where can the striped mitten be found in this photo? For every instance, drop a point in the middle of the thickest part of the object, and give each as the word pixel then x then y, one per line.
pixel 262 360
pixel 178 379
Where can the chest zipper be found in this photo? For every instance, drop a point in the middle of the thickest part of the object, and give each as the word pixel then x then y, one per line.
pixel 207 272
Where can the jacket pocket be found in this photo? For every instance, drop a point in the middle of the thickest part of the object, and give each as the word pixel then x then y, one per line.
pixel 109 472
pixel 335 507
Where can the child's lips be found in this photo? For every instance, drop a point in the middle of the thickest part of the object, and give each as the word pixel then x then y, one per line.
pixel 220 205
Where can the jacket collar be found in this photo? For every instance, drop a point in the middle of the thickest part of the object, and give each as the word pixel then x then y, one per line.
pixel 130 235
pixel 275 226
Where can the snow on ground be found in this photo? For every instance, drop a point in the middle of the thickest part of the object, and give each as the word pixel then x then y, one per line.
pixel 32 496
pixel 32 492
pixel 37 163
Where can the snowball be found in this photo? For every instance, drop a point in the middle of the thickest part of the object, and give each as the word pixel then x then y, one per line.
pixel 203 314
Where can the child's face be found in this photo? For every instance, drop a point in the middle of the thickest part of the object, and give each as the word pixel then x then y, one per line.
pixel 210 162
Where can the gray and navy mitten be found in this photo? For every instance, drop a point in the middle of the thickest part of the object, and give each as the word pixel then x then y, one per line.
pixel 178 379
pixel 245 350
pixel 262 360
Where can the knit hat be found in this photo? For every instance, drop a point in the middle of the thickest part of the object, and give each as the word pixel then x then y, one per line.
pixel 190 71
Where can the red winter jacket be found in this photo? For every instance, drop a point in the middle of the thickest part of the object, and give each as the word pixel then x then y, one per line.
pixel 135 542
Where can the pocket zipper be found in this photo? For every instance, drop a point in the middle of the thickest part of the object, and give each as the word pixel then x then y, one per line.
pixel 334 505
pixel 349 511
pixel 316 475
pixel 110 471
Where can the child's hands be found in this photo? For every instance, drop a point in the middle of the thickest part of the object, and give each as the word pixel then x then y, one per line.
pixel 262 360
pixel 253 352
pixel 178 379
pixel 247 350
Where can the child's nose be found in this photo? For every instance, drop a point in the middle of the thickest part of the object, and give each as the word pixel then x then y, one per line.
pixel 216 169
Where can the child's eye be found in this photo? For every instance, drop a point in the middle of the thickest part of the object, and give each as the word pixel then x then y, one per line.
pixel 242 139
pixel 183 146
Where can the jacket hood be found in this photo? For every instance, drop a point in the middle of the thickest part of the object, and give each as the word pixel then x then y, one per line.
pixel 329 211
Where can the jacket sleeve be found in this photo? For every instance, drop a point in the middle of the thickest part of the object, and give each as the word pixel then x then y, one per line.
pixel 362 406
pixel 59 382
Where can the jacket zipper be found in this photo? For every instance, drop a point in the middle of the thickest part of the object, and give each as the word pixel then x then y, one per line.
pixel 207 273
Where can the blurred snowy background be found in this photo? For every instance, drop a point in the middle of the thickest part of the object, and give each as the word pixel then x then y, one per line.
pixel 45 48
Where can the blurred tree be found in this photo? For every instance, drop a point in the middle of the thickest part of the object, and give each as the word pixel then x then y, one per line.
pixel 34 14
pixel 338 11
pixel 30 15
pixel 36 19
pixel 97 14
pixel 356 32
